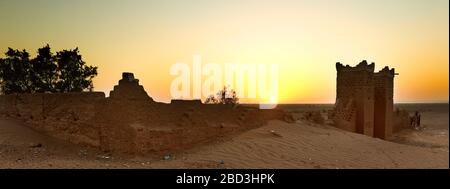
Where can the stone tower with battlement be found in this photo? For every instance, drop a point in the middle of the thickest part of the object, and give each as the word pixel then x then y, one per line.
pixel 364 99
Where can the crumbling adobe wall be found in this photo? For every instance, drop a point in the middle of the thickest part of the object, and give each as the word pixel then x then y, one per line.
pixel 401 120
pixel 68 116
pixel 129 122
pixel 142 128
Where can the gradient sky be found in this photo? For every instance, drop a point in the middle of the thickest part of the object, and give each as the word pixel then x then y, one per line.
pixel 305 37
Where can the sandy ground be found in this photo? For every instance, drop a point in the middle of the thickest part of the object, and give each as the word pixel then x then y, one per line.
pixel 314 146
pixel 276 145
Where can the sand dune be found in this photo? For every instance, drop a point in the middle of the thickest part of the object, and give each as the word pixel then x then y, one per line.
pixel 276 145
pixel 304 145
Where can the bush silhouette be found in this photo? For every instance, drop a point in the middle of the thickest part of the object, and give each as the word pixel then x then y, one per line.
pixel 223 96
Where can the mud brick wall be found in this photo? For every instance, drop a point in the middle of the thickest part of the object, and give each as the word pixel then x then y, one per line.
pixel 129 122
pixel 146 127
pixel 68 116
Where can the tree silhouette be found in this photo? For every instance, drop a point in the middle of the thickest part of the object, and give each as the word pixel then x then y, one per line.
pixel 75 75
pixel 63 72
pixel 45 72
pixel 15 72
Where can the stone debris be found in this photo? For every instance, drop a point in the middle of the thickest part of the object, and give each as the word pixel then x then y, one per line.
pixel 35 145
pixel 103 157
pixel 167 157
pixel 275 133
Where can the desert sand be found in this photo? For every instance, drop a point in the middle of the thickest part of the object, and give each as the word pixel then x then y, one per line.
pixel 303 144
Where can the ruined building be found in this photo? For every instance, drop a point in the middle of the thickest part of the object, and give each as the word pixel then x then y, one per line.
pixel 129 121
pixel 364 99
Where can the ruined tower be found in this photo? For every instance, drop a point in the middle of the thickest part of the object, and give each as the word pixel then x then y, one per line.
pixel 364 99
pixel 129 89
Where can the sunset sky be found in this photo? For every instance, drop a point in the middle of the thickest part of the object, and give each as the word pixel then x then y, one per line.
pixel 304 37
